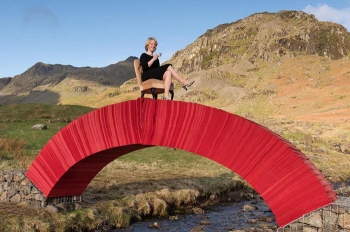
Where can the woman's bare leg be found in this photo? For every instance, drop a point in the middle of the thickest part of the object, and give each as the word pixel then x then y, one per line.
pixel 167 83
pixel 176 76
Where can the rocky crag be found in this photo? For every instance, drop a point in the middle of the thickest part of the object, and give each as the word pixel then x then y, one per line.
pixel 265 36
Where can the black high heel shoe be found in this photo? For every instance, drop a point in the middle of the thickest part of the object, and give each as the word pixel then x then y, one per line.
pixel 185 86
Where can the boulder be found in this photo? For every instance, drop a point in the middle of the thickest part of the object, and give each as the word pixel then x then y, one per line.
pixel 39 127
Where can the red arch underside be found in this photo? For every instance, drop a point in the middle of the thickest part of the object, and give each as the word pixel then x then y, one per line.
pixel 284 177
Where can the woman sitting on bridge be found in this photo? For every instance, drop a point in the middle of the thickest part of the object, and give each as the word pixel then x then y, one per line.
pixel 151 68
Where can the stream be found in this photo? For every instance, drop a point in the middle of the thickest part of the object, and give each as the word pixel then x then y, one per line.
pixel 249 215
pixel 243 215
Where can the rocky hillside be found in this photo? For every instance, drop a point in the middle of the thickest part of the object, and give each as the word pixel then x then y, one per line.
pixel 264 36
pixel 4 81
pixel 271 64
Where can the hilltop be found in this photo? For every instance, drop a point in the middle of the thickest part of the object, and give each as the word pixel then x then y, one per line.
pixel 264 37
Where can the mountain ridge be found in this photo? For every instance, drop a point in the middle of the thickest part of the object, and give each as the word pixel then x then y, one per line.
pixel 52 74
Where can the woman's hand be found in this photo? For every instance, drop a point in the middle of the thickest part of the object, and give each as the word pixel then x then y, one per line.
pixel 155 57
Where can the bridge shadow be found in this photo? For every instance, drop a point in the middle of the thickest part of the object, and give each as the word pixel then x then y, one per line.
pixel 39 97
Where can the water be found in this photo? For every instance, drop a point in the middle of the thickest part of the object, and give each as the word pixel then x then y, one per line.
pixel 223 217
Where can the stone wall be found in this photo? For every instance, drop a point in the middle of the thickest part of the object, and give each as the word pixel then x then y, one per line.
pixel 335 217
pixel 16 187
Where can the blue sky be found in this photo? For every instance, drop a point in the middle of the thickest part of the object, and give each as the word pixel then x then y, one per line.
pixel 100 33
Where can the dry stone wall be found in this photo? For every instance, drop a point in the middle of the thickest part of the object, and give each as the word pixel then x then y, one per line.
pixel 16 187
pixel 335 217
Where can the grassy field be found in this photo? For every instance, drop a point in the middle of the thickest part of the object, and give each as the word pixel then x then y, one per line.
pixel 145 182
pixel 19 143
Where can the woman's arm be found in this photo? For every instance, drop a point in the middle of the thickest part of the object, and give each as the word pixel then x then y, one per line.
pixel 155 57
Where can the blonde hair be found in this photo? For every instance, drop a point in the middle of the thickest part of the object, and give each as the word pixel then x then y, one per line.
pixel 149 40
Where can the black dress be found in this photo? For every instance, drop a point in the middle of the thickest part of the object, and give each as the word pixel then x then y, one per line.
pixel 155 71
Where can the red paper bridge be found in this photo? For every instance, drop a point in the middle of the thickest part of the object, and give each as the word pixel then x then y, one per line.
pixel 284 177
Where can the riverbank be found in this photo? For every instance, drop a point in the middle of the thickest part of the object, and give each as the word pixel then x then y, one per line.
pixel 251 215
pixel 245 215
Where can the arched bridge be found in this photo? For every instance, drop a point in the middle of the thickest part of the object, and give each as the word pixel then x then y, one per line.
pixel 283 176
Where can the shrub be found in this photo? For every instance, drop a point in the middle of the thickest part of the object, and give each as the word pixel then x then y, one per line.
pixel 11 148
pixel 15 149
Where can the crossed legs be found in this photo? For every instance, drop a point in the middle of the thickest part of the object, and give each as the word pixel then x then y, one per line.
pixel 168 75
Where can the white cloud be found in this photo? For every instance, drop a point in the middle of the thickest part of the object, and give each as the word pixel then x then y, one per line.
pixel 323 12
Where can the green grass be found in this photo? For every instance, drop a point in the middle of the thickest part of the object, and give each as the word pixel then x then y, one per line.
pixel 35 139
pixel 16 121
pixel 40 112
pixel 295 136
pixel 163 157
